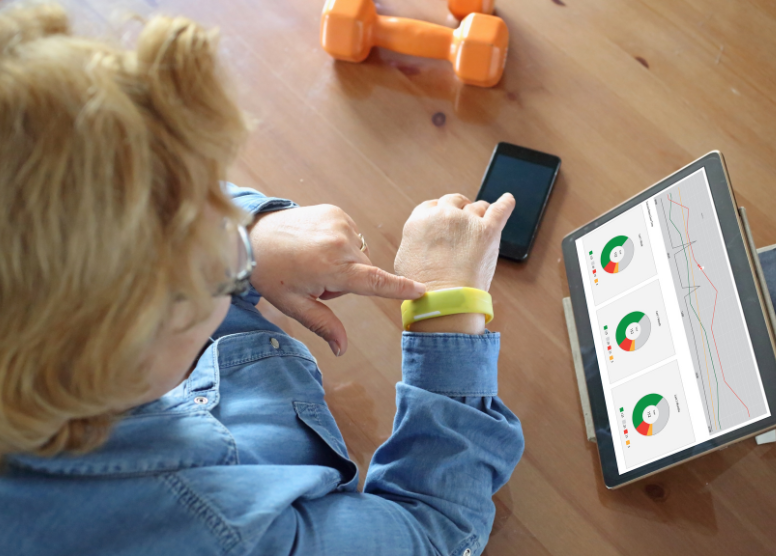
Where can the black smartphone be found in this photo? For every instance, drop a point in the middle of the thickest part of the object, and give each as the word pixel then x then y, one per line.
pixel 528 175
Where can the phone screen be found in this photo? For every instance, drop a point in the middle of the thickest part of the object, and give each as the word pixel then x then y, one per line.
pixel 529 176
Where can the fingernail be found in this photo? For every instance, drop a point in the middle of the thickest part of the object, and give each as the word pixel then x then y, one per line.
pixel 420 289
pixel 335 349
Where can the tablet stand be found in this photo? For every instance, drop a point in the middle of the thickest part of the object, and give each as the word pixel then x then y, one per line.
pixel 766 276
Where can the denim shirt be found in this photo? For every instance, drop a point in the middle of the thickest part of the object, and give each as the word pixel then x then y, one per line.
pixel 245 458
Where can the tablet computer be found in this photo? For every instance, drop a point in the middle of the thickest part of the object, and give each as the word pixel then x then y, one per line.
pixel 677 347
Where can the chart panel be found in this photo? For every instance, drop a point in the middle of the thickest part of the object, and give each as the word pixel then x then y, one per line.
pixel 725 369
pixel 652 415
pixel 619 256
pixel 635 332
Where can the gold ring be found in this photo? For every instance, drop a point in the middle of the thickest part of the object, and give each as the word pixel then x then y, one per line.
pixel 363 243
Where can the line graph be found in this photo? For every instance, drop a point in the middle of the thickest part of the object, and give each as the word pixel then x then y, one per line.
pixel 690 290
pixel 724 366
pixel 714 310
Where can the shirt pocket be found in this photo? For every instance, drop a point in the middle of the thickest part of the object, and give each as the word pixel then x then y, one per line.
pixel 318 418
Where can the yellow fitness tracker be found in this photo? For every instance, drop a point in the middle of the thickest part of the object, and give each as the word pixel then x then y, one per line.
pixel 452 301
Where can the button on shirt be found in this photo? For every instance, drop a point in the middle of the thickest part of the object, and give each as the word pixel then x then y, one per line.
pixel 245 458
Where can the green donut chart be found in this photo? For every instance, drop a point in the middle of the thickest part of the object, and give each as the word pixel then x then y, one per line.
pixel 633 331
pixel 617 254
pixel 650 416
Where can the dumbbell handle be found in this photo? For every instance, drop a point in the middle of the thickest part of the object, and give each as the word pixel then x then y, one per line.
pixel 413 37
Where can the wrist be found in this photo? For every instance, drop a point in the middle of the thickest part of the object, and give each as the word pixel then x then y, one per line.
pixel 263 215
pixel 435 285
pixel 463 323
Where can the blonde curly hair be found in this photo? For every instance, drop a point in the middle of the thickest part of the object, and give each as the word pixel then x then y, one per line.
pixel 108 159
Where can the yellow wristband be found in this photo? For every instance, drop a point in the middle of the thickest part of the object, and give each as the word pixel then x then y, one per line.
pixel 452 301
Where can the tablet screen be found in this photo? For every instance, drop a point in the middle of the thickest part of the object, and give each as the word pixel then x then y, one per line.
pixel 676 360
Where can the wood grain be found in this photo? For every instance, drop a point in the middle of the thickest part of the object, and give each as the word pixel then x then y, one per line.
pixel 625 92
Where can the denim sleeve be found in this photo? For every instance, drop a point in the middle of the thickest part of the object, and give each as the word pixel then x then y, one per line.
pixel 429 488
pixel 454 442
pixel 254 202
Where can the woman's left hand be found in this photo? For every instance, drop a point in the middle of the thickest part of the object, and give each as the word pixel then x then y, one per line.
pixel 309 253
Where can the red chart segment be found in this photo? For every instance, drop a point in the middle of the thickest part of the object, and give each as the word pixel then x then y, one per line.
pixel 645 428
pixel 627 345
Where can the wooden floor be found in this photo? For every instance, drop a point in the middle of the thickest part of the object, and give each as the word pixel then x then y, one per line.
pixel 625 92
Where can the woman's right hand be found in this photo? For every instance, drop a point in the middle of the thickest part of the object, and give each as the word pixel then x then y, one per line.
pixel 449 243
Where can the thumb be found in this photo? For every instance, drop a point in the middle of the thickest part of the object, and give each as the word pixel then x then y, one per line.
pixel 498 213
pixel 317 317
pixel 371 280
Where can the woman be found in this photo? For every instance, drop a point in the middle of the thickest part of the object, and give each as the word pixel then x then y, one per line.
pixel 146 407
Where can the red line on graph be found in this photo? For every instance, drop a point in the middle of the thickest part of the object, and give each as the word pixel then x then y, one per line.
pixel 716 294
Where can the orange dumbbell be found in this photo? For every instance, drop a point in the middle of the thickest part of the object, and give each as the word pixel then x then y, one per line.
pixel 461 8
pixel 477 49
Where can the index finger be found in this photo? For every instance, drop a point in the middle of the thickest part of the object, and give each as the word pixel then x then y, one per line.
pixel 498 213
pixel 371 280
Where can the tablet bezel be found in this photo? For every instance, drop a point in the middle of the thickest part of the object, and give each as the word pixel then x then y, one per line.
pixel 752 303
